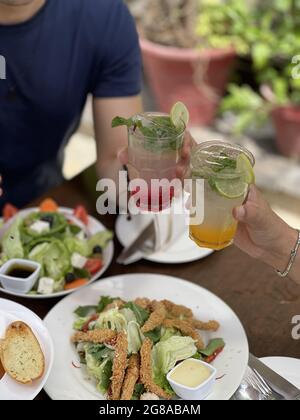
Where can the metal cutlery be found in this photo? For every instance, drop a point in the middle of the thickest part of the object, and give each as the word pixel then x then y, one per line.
pixel 138 246
pixel 279 385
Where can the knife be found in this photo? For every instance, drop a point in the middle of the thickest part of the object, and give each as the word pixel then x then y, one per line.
pixel 146 234
pixel 276 382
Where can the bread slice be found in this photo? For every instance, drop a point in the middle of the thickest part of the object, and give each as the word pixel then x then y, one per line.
pixel 21 355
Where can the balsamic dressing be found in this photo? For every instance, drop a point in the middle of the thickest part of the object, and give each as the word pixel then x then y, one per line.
pixel 20 272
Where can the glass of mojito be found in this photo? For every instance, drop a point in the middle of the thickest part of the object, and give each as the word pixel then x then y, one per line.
pixel 155 141
pixel 227 172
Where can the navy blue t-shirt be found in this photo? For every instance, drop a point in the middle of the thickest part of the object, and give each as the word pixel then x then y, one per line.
pixel 69 49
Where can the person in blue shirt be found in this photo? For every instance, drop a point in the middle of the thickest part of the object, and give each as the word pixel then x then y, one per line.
pixel 57 52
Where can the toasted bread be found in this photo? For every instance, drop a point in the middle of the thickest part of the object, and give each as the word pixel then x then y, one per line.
pixel 21 355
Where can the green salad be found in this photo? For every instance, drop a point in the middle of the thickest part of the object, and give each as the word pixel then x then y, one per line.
pixel 68 254
pixel 128 348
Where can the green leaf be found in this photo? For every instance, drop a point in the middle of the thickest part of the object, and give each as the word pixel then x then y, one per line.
pixel 139 389
pixel 154 335
pixel 213 345
pixel 105 376
pixel 261 54
pixel 119 121
pixel 140 313
pixel 74 229
pixel 84 311
pixel 198 356
pixel 104 301
pixel 100 351
pixel 81 273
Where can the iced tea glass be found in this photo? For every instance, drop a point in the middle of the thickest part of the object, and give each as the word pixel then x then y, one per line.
pixel 226 170
pixel 154 150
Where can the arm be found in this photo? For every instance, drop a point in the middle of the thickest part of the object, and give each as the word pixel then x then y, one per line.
pixel 264 235
pixel 111 141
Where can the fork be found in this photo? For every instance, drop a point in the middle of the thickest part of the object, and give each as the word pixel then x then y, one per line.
pixel 254 379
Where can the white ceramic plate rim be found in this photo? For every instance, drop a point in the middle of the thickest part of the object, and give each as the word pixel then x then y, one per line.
pixel 108 254
pixel 193 253
pixel 20 312
pixel 65 383
pixel 287 367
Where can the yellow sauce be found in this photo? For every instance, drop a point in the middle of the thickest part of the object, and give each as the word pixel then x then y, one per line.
pixel 190 373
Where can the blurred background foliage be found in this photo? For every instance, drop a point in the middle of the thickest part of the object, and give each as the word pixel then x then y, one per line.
pixel 264 33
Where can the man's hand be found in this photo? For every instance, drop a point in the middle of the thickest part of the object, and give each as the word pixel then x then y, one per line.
pixel 262 234
pixel 183 164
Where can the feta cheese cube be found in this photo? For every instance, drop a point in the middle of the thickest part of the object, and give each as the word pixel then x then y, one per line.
pixel 40 226
pixel 46 286
pixel 78 261
pixel 81 235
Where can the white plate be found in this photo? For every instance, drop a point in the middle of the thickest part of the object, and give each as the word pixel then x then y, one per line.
pixel 287 367
pixel 10 312
pixel 68 382
pixel 184 250
pixel 93 227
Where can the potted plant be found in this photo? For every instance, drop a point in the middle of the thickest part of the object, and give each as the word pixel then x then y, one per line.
pixel 275 53
pixel 189 49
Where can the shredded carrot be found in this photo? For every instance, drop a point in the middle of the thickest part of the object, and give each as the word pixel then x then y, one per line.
pixel 48 205
pixel 75 284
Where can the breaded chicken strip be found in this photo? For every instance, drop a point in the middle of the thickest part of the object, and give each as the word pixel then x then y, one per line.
pixel 156 318
pixel 186 329
pixel 95 336
pixel 131 377
pixel 142 302
pixel 119 365
pixel 146 371
pixel 177 311
pixel 204 326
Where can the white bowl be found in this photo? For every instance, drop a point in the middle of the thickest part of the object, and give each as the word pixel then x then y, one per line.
pixel 16 284
pixel 197 393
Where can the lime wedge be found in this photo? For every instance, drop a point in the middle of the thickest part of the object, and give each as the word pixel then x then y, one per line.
pixel 244 167
pixel 231 189
pixel 179 114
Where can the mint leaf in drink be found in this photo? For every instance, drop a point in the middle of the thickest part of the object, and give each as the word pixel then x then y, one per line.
pixel 224 162
pixel 119 121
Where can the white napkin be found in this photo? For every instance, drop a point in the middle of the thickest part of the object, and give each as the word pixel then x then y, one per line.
pixel 169 224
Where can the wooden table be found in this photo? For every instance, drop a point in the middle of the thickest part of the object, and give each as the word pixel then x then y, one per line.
pixel 264 303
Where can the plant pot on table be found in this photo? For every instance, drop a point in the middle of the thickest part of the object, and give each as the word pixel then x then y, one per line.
pixel 197 78
pixel 286 120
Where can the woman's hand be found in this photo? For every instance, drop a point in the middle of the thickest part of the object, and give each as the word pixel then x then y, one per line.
pixel 262 234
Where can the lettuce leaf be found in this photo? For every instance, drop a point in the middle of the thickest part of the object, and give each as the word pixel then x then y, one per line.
pixel 80 322
pixel 80 246
pixel 99 239
pixel 141 314
pixel 11 243
pixel 135 337
pixel 54 258
pixel 166 354
pixel 112 320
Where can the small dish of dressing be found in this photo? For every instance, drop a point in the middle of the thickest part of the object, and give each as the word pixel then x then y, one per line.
pixel 19 275
pixel 192 379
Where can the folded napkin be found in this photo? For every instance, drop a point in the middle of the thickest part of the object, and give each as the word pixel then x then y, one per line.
pixel 169 224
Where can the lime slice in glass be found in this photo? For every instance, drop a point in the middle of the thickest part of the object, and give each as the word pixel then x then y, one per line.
pixel 231 189
pixel 179 114
pixel 244 167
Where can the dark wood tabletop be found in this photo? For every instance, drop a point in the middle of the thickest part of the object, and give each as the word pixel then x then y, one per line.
pixel 264 302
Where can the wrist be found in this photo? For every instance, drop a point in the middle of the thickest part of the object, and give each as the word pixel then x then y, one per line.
pixel 279 256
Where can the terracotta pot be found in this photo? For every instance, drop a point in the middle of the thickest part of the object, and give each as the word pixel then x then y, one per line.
pixel 286 120
pixel 197 78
